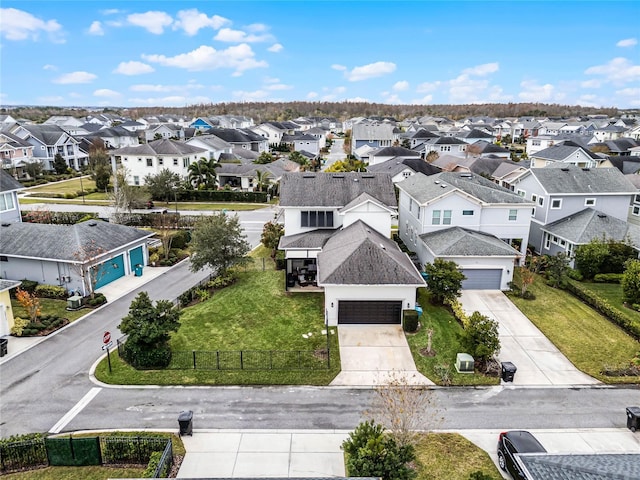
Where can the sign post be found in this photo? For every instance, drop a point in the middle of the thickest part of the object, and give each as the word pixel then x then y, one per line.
pixel 106 340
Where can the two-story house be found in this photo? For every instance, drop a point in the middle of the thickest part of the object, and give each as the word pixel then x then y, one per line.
pixel 14 152
pixel 9 208
pixel 381 155
pixel 337 238
pixel 561 193
pixel 244 139
pixel 460 204
pixel 302 142
pixel 274 131
pixel 374 135
pixel 153 157
pixel 50 140
pixel 569 153
pixel 445 146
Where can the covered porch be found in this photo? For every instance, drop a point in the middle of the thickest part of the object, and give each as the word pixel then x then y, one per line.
pixel 301 275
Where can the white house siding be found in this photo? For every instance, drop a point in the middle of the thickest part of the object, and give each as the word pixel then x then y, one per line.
pixel 579 158
pixel 137 166
pixel 372 215
pixel 334 293
pixel 293 221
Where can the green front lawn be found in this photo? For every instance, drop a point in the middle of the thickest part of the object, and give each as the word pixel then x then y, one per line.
pixel 49 306
pixel 586 338
pixel 450 456
pixel 255 313
pixel 76 473
pixel 445 343
pixel 612 293
pixel 67 186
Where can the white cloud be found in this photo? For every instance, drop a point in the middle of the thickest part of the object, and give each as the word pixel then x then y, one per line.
pixel 110 11
pixel 133 68
pixel 593 83
pixel 394 99
pixel 238 36
pixel 255 95
pixel 312 95
pixel 618 71
pixel 271 80
pixel 627 42
pixel 106 93
pixel 482 70
pixel 50 67
pixel 75 77
pixel 275 48
pixel 191 21
pixel 400 86
pixel 371 70
pixel 96 28
pixel 533 92
pixel 257 27
pixel 338 67
pixel 239 57
pixel 428 86
pixel 20 25
pixel 278 86
pixel 152 21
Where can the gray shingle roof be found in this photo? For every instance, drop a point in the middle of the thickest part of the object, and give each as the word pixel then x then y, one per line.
pixel 582 227
pixel 334 189
pixel 160 147
pixel 601 466
pixel 562 151
pixel 61 242
pixel 8 284
pixel 572 179
pixel 394 152
pixel 425 189
pixel 461 242
pixel 46 134
pixel 359 255
pixel 8 183
pixel 311 240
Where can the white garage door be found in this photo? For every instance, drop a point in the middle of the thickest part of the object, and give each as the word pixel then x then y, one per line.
pixel 482 279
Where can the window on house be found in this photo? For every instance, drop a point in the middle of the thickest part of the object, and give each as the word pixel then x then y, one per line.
pixel 435 217
pixel 139 160
pixel 317 219
pixel 149 162
pixel 3 258
pixel 534 197
pixel 446 217
pixel 533 212
pixel 547 241
pixel 467 212
pixel 556 203
pixel 636 199
pixel 185 163
pixel 513 215
pixel 636 211
pixel 136 180
pixel 406 174
pixel 418 211
pixel 541 201
pixel 6 202
pixel 161 161
pixel 589 202
pixel 175 162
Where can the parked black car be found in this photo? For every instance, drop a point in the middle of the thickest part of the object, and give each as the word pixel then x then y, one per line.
pixel 512 442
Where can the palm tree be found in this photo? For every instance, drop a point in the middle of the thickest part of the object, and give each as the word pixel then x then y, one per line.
pixel 203 173
pixel 262 179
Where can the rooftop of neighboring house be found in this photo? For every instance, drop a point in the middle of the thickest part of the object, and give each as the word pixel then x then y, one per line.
pixel 236 135
pixel 322 189
pixel 393 152
pixel 8 183
pixel 458 241
pixel 572 179
pixel 475 133
pixel 160 147
pixel 563 150
pixel 426 189
pixel 276 168
pixel 47 134
pixel 601 466
pixel 372 131
pixel 394 166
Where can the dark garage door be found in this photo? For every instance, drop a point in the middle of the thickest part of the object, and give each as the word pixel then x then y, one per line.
pixel 482 279
pixel 369 312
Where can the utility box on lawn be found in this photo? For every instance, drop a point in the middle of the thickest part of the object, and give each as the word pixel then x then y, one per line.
pixel 465 363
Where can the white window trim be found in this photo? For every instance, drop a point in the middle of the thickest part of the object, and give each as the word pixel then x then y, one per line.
pixel 559 205
pixel 541 201
pixel 515 217
pixel 522 193
pixel 547 241
pixel 589 202
pixel 635 211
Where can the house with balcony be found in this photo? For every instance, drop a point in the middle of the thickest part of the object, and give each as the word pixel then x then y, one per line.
pixel 337 240
pixel 48 141
pixel 573 204
pixel 439 214
pixel 15 152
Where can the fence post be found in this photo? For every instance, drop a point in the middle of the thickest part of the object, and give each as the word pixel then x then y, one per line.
pixel 194 359
pixel 241 361
pixel 139 452
pixel 270 359
pixel 218 359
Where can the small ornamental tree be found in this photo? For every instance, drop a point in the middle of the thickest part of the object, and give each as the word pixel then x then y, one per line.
pixel 445 280
pixel 30 303
pixel 59 164
pixel 556 269
pixel 590 257
pixel 631 282
pixel 271 234
pixel 480 337
pixel 149 328
pixel 87 267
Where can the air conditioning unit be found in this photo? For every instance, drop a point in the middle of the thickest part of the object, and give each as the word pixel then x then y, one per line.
pixel 464 363
pixel 74 302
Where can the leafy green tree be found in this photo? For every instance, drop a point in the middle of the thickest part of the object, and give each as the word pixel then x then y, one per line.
pixel 33 169
pixel 590 257
pixel 162 186
pixel 218 242
pixel 556 269
pixel 480 337
pixel 202 174
pixel 347 165
pixel 271 233
pixel 445 280
pixel 262 179
pixel 149 328
pixel 631 282
pixel 373 453
pixel 299 159
pixel 264 158
pixel 59 164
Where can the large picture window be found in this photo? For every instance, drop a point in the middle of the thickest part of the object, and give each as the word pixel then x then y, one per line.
pixel 317 219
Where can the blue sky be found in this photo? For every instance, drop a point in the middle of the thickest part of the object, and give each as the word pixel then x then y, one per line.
pixel 178 53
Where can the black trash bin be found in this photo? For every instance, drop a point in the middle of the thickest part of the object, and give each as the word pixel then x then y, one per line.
pixel 508 371
pixel 633 418
pixel 4 343
pixel 185 420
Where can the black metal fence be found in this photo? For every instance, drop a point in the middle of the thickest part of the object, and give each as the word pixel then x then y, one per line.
pixel 71 451
pixel 255 360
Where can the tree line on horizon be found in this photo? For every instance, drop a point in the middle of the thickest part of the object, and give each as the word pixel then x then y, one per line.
pixel 280 111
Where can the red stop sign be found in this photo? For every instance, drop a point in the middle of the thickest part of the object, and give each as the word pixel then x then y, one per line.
pixel 106 338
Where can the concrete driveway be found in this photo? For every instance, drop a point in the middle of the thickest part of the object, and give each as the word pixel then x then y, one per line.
pixel 375 354
pixel 537 360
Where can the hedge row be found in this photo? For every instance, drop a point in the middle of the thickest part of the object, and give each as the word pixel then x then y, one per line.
pixel 57 218
pixel 222 196
pixel 628 324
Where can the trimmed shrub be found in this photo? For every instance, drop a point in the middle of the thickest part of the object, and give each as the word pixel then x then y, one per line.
pixel 29 285
pixel 608 278
pixel 180 239
pixel 19 324
pixel 409 320
pixel 51 291
pixel 574 274
pixel 280 260
pixel 146 358
pixel 97 300
pixel 154 461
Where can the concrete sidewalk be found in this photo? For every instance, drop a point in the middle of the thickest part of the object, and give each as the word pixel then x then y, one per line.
pixel 317 453
pixel 538 361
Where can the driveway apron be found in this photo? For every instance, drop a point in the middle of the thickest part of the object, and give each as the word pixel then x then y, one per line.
pixel 537 360
pixel 375 355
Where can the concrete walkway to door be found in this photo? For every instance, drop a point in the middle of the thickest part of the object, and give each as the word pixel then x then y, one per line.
pixel 374 355
pixel 537 360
